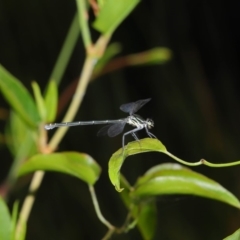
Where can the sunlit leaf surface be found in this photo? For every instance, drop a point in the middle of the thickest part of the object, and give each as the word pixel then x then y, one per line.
pixel 112 14
pixel 117 159
pixel 79 165
pixel 175 179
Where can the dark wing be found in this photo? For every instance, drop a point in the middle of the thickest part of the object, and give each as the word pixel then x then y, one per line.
pixel 112 130
pixel 116 129
pixel 133 107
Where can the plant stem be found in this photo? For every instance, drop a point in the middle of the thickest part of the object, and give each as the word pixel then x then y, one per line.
pixel 98 211
pixel 38 176
pixel 202 162
pixel 66 51
pixel 83 17
pixel 76 101
pixel 28 202
pixel 108 234
pixel 84 79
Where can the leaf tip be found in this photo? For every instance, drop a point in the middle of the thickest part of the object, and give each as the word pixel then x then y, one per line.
pixel 119 189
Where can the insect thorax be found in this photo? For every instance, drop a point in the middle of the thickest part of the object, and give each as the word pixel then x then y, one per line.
pixel 136 121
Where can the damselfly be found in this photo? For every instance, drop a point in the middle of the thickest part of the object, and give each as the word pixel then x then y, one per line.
pixel 115 127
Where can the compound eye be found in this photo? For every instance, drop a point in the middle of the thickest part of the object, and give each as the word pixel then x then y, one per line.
pixel 150 123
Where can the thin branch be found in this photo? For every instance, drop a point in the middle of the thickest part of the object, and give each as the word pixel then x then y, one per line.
pixel 83 21
pixel 29 201
pixel 76 101
pixel 97 209
pixel 83 82
pixel 66 51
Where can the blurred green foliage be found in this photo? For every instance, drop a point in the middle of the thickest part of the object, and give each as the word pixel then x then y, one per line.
pixel 195 102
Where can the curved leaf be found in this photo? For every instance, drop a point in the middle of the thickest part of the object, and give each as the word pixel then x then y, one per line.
pixel 175 179
pixel 18 97
pixel 117 159
pixel 5 221
pixel 234 236
pixel 79 165
pixel 112 14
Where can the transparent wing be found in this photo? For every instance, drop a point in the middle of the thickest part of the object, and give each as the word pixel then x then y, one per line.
pixel 133 107
pixel 104 130
pixel 116 129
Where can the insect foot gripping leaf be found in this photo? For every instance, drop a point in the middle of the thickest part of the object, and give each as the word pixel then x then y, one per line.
pixel 166 178
pixel 117 159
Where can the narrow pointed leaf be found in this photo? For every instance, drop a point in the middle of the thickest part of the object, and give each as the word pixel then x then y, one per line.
pixel 234 236
pixel 175 179
pixel 51 100
pixel 5 221
pixel 158 55
pixel 112 14
pixel 18 233
pixel 14 219
pixel 117 159
pixel 18 97
pixel 39 101
pixel 79 165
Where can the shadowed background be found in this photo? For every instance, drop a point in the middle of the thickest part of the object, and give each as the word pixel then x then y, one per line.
pixel 195 107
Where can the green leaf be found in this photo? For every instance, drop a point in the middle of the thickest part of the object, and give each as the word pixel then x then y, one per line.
pixel 5 221
pixel 153 56
pixel 117 159
pixel 21 140
pixel 79 165
pixel 125 194
pixel 18 97
pixel 234 236
pixel 175 179
pixel 14 219
pixel 144 212
pixel 101 3
pixel 39 100
pixel 51 101
pixel 147 219
pixel 112 14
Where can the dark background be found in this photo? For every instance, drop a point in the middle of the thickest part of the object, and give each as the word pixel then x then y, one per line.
pixel 195 107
